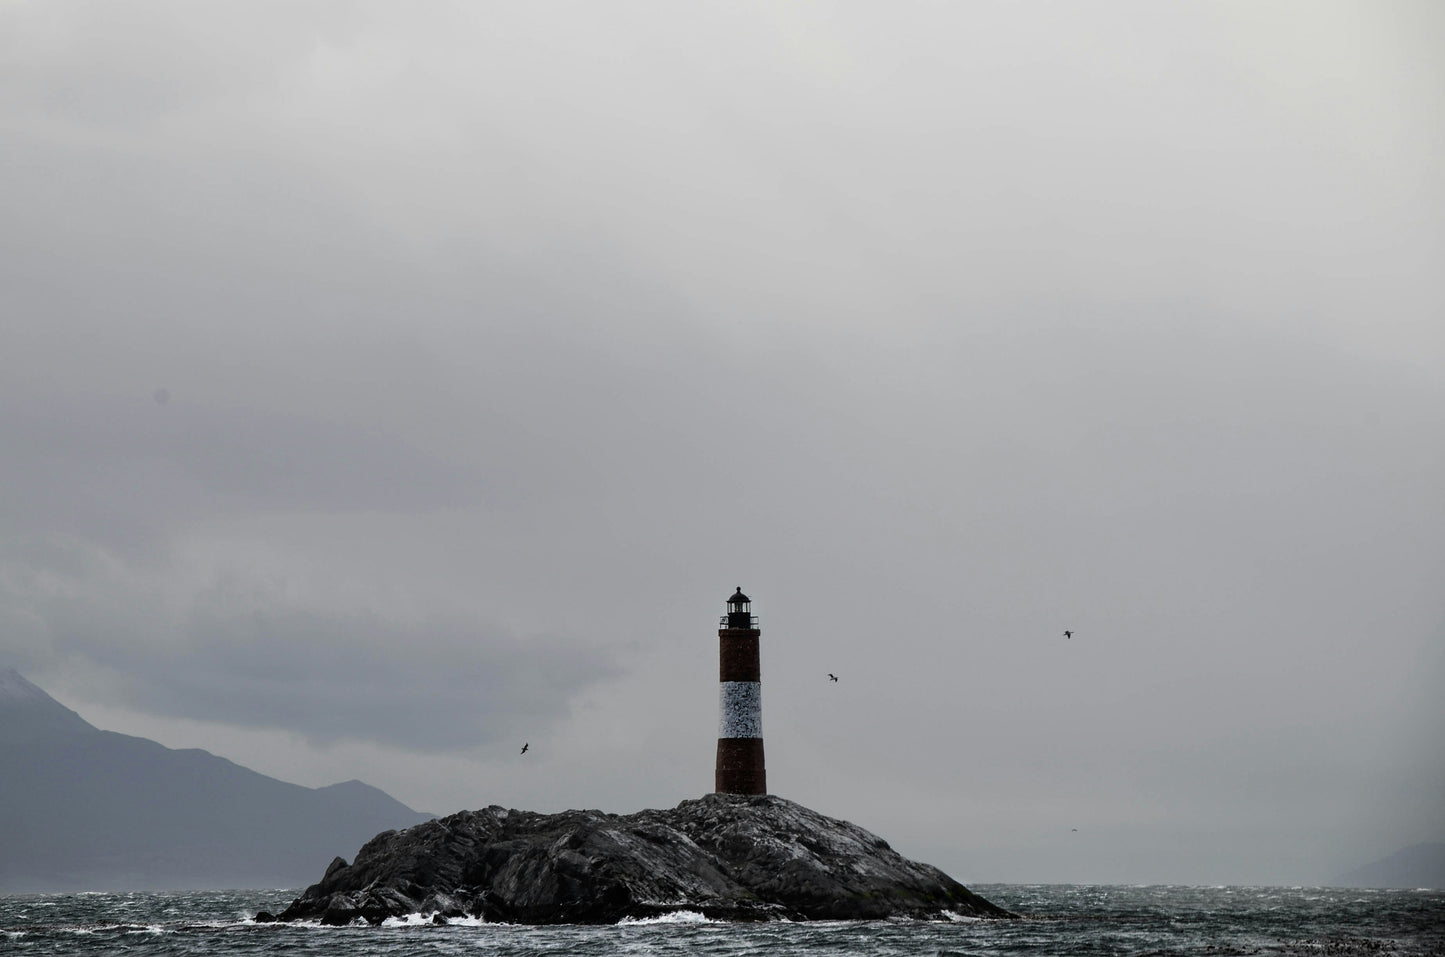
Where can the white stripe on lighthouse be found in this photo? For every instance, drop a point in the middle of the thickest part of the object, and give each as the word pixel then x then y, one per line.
pixel 740 709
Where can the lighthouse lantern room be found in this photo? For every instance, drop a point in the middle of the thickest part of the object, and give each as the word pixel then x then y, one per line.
pixel 740 612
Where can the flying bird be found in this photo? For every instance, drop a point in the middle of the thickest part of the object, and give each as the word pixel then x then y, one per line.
pixel 1068 634
pixel 525 746
pixel 832 677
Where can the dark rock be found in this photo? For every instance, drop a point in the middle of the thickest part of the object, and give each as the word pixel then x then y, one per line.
pixel 731 857
pixel 265 917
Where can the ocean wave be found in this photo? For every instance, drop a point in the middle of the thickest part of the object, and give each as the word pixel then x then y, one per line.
pixel 429 920
pixel 673 917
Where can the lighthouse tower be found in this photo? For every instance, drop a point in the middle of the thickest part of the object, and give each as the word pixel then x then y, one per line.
pixel 740 702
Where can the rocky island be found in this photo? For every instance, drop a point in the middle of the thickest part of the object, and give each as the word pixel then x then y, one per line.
pixel 727 856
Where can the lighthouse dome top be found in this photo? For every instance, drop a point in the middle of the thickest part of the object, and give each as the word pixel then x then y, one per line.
pixel 738 596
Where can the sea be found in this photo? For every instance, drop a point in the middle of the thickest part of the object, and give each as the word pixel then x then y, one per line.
pixel 1056 919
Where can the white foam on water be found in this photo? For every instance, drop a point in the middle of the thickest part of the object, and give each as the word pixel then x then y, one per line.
pixel 314 924
pixel 674 917
pixel 425 920
pixel 961 918
pixel 406 920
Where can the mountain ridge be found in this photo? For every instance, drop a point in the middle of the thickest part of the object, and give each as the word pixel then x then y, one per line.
pixel 1417 866
pixel 87 809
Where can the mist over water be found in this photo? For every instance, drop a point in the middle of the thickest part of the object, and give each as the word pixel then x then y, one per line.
pixel 1058 920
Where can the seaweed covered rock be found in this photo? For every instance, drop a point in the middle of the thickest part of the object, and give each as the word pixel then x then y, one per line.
pixel 731 857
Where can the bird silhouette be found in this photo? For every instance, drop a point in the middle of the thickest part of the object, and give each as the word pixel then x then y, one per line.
pixel 525 746
pixel 832 677
pixel 1068 634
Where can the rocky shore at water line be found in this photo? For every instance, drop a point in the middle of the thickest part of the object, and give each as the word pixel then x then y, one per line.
pixel 729 857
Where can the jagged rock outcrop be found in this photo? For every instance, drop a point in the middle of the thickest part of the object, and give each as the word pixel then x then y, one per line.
pixel 732 857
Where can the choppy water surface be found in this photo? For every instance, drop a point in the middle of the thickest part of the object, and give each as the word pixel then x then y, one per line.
pixel 1061 920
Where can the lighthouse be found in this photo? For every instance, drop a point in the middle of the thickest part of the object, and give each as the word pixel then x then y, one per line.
pixel 740 702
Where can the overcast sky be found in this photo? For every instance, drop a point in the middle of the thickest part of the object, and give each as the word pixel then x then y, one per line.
pixel 385 385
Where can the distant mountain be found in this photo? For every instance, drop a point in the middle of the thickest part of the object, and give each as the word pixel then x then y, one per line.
pixel 1422 865
pixel 85 809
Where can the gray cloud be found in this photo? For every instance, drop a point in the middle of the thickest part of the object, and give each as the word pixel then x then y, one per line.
pixel 258 652
pixel 119 469
pixel 940 330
